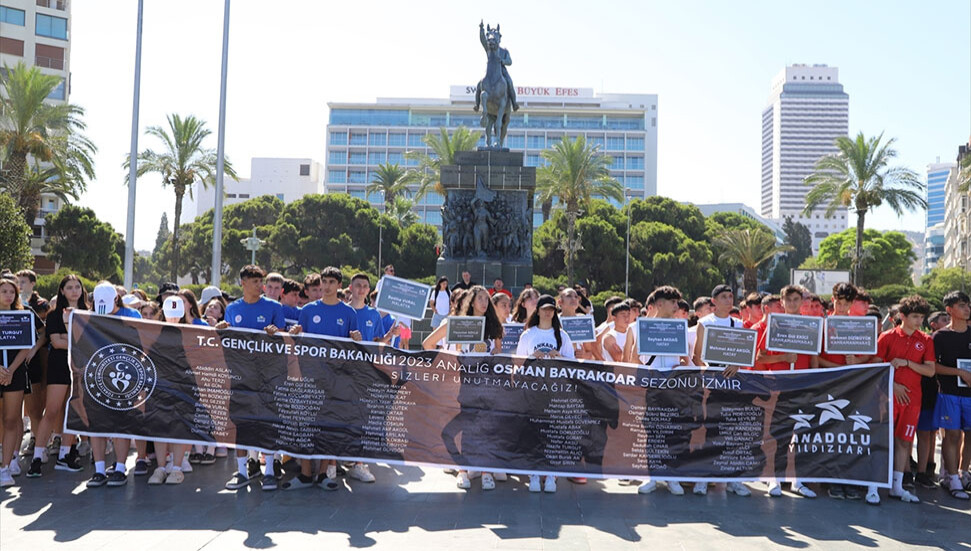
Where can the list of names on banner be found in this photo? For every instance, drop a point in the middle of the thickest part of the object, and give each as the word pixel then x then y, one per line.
pixel 213 392
pixel 738 428
pixel 384 429
pixel 660 426
pixel 562 430
pixel 299 401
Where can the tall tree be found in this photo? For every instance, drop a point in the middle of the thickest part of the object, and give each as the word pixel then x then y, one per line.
pixel 389 179
pixel 576 171
pixel 749 249
pixel 886 256
pixel 858 176
pixel 427 175
pixel 163 233
pixel 14 237
pixel 183 162
pixel 98 258
pixel 48 134
pixel 799 237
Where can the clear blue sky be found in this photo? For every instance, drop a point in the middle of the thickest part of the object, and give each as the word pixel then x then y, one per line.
pixel 905 65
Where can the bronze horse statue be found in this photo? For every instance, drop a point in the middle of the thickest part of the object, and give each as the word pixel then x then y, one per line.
pixel 493 91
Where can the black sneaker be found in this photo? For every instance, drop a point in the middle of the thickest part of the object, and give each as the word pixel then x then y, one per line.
pixel 908 481
pixel 836 491
pixel 117 478
pixel 34 471
pixel 253 468
pixel 195 458
pixel 853 492
pixel 70 462
pixel 926 480
pixel 238 481
pixel 278 469
pixel 97 480
pixel 141 467
pixel 207 459
pixel 269 483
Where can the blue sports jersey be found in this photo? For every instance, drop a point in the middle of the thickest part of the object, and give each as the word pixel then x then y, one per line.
pixel 332 320
pixel 126 312
pixel 369 323
pixel 257 315
pixel 198 321
pixel 292 315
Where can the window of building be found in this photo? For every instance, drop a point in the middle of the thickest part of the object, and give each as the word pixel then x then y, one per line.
pixel 336 176
pixel 280 196
pixel 338 138
pixel 357 193
pixel 635 163
pixel 618 163
pixel 396 158
pixel 378 139
pixel 358 158
pixel 376 157
pixel 305 170
pixel 635 182
pixel 516 142
pixel 535 142
pixel 47 56
pixel 653 122
pixel 416 140
pixel 337 157
pixel 358 177
pixel 635 144
pixel 358 139
pixel 53 4
pixel 51 27
pixel 615 144
pixel 433 217
pixel 59 92
pixel 243 195
pixel 596 140
pixel 230 196
pixel 11 46
pixel 396 139
pixel 12 16
pixel 532 160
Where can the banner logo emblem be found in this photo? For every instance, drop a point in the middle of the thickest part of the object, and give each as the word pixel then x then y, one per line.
pixel 119 377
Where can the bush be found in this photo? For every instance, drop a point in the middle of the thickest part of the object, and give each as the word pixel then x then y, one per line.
pixel 599 314
pixel 427 280
pixel 548 285
pixel 47 284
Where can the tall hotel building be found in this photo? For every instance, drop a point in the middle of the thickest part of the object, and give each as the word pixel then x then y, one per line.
pixel 937 175
pixel 361 136
pixel 37 33
pixel 807 110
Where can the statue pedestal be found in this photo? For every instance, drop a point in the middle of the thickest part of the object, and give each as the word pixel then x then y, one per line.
pixel 487 220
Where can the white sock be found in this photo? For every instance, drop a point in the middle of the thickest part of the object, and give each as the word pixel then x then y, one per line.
pixel 956 482
pixel 64 451
pixel 175 468
pixel 38 452
pixel 119 467
pixel 872 490
pixel 99 467
pixel 898 482
pixel 241 465
pixel 269 467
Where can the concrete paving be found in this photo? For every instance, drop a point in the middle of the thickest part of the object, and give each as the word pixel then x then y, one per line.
pixel 419 508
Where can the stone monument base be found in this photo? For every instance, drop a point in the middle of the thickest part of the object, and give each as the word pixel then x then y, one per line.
pixel 484 272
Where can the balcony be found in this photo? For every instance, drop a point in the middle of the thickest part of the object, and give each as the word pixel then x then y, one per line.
pixel 53 4
pixel 49 62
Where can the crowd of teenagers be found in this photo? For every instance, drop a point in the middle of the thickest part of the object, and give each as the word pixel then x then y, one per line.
pixel 931 396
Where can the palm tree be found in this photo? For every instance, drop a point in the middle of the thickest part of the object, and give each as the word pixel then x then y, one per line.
pixel 857 176
pixel 49 134
pixel 575 171
pixel 402 211
pixel 183 162
pixel 390 180
pixel 749 249
pixel 444 147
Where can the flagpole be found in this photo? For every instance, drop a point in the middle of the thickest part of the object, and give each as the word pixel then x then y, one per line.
pixel 133 159
pixel 217 224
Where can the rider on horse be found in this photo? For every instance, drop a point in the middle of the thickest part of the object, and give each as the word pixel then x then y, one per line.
pixel 506 60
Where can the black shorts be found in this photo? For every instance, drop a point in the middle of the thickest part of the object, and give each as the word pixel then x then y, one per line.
pixel 37 367
pixel 19 383
pixel 58 372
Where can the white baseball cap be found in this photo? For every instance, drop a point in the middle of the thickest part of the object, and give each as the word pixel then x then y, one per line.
pixel 209 293
pixel 104 298
pixel 129 300
pixel 173 307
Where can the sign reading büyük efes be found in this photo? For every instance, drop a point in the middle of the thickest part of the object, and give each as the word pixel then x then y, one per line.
pixel 319 397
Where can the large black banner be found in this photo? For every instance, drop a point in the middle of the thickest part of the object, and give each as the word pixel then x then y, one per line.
pixel 322 397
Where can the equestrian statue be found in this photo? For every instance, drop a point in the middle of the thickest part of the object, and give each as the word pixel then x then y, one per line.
pixel 495 92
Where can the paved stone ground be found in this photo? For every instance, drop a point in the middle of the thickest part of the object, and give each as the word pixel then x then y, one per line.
pixel 416 508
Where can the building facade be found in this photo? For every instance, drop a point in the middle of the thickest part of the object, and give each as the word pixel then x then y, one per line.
pixel 360 136
pixel 937 175
pixel 285 178
pixel 37 33
pixel 806 111
pixel 957 219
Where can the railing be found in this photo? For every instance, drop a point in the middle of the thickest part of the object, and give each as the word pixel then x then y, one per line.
pixel 49 62
pixel 53 4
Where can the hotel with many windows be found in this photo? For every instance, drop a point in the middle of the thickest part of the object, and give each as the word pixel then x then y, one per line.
pixel 360 136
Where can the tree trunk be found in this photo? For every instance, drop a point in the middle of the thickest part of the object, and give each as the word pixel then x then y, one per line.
pixel 857 264
pixel 16 168
pixel 179 194
pixel 750 280
pixel 546 208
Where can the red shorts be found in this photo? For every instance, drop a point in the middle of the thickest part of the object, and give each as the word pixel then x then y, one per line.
pixel 905 418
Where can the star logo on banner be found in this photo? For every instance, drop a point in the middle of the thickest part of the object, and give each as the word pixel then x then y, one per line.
pixel 860 422
pixel 831 409
pixel 802 420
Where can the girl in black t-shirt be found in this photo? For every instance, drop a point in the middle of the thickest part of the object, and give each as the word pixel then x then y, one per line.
pixel 13 384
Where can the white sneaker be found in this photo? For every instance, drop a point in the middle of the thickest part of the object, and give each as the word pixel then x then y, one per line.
pixel 675 488
pixel 804 491
pixel 158 477
pixel 488 483
pixel 701 488
pixel 872 496
pixel 738 489
pixel 462 480
pixel 775 490
pixel 331 472
pixel 14 467
pixel 647 487
pixel 905 496
pixel 500 477
pixel 550 485
pixel 186 466
pixel 6 479
pixel 360 471
pixel 534 483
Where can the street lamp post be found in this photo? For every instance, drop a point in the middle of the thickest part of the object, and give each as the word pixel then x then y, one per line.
pixel 252 244
pixel 627 257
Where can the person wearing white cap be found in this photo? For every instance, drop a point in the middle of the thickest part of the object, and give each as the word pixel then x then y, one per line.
pixel 107 302
pixel 209 293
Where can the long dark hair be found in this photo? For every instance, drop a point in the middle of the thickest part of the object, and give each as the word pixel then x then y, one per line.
pixel 190 297
pixel 493 328
pixel 533 321
pixel 455 301
pixel 519 310
pixel 61 303
pixel 438 287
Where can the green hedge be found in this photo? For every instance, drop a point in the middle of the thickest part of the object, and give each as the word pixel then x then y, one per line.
pixel 47 284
